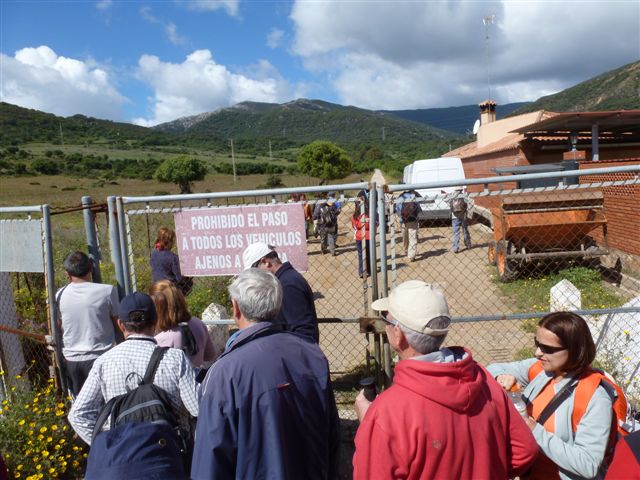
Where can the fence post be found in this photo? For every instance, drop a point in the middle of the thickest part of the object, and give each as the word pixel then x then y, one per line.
pixel 92 238
pixel 373 205
pixel 124 251
pixel 51 298
pixel 382 214
pixel 114 244
pixel 381 209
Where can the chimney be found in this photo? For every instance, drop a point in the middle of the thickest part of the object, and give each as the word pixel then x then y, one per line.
pixel 487 112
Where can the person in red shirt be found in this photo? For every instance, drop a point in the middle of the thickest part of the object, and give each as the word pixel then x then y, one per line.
pixel 360 226
pixel 444 417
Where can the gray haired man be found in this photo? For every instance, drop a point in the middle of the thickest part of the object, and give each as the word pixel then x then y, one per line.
pixel 444 416
pixel 267 407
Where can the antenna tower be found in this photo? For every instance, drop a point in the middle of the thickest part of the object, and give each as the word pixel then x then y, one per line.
pixel 488 20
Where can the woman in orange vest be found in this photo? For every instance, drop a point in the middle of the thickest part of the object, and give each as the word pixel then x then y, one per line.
pixel 569 408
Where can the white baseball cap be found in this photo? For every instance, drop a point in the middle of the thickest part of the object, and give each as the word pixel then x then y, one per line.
pixel 255 252
pixel 414 304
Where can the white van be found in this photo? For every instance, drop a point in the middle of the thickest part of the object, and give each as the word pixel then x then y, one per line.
pixel 434 170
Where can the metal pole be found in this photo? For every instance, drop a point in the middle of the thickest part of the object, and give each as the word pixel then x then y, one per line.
pixel 595 142
pixel 114 244
pixel 92 238
pixel 51 297
pixel 124 251
pixel 388 371
pixel 376 358
pixel 372 244
pixel 383 240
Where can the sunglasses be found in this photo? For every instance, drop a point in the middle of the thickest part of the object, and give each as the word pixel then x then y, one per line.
pixel 547 349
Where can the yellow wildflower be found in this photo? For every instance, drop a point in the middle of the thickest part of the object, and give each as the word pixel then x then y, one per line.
pixel 21 422
pixel 43 429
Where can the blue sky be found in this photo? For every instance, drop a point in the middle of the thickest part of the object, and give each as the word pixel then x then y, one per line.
pixel 149 62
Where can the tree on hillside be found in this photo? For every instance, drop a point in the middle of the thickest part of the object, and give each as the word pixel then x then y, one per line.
pixel 182 171
pixel 324 160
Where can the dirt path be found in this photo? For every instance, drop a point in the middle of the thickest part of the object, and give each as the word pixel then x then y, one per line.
pixel 465 277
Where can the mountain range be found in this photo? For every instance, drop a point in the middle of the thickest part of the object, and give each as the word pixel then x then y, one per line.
pixel 301 121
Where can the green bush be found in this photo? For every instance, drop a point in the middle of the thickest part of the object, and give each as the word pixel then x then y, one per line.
pixel 35 439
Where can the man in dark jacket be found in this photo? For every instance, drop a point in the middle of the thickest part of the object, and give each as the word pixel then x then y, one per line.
pixel 298 307
pixel 267 407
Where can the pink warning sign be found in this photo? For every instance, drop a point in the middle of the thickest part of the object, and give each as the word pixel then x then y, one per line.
pixel 211 241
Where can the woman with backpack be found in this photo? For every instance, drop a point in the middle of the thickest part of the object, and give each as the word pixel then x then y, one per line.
pixel 360 225
pixel 176 328
pixel 570 405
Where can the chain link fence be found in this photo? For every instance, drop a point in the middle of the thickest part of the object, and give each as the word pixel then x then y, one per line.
pixel 341 296
pixel 528 252
pixel 524 243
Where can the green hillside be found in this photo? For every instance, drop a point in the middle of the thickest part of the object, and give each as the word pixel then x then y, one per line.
pixel 304 121
pixel 617 89
pixel 20 125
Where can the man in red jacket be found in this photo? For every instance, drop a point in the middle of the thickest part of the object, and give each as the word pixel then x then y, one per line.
pixel 445 416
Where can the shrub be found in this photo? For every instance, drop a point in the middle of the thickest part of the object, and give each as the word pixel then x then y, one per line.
pixel 35 438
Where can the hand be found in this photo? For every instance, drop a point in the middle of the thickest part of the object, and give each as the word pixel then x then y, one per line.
pixel 506 381
pixel 530 422
pixel 361 405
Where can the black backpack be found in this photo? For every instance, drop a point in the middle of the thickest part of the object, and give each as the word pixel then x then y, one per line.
pixel 328 216
pixel 144 440
pixel 459 205
pixel 189 344
pixel 409 212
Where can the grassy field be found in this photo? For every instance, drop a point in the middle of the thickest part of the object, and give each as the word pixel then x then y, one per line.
pixel 62 191
pixel 39 149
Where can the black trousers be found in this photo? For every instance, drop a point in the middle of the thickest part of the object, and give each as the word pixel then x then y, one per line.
pixel 77 373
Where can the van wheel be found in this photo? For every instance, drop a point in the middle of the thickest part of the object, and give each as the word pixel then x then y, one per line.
pixel 506 268
pixel 491 253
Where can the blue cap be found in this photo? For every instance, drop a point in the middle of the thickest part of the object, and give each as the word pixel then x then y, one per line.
pixel 137 302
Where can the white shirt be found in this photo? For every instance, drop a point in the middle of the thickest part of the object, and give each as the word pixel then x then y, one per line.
pixel 86 309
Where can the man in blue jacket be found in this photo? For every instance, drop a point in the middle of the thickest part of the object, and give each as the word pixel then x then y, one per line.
pixel 298 307
pixel 267 407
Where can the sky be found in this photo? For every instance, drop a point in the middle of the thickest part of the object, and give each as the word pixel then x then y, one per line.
pixel 149 62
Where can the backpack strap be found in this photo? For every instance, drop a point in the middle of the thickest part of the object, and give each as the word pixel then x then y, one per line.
pixel 154 361
pixel 557 400
pixel 104 413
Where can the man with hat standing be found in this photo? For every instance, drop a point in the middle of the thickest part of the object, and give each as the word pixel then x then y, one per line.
pixel 298 308
pixel 444 416
pixel 120 369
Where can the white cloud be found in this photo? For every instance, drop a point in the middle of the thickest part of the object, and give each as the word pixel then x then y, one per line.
pixel 199 84
pixel 104 5
pixel 39 78
pixel 170 28
pixel 275 37
pixel 231 6
pixel 171 31
pixel 431 54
